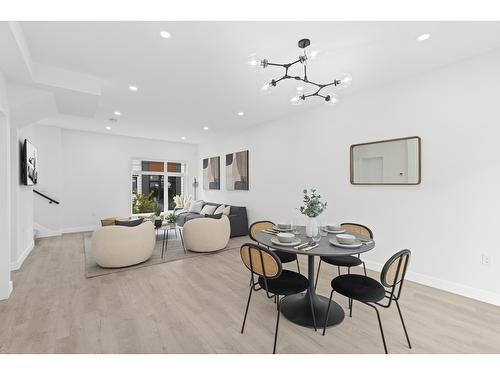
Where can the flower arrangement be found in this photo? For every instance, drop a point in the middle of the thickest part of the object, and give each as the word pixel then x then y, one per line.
pixel 312 207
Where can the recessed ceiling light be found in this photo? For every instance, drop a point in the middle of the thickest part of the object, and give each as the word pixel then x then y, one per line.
pixel 423 37
pixel 183 138
pixel 132 88
pixel 165 34
pixel 117 113
pixel 108 127
pixel 241 113
pixel 205 128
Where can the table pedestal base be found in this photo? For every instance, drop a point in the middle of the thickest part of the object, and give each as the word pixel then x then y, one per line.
pixel 296 308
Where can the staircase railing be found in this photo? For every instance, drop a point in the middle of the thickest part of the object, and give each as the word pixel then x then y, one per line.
pixel 46 197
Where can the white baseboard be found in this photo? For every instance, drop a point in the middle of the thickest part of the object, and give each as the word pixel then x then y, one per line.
pixel 449 286
pixel 79 229
pixel 15 265
pixel 42 232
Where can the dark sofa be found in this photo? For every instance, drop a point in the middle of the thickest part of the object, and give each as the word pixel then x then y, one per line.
pixel 237 218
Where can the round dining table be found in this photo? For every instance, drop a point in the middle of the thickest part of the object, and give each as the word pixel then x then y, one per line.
pixel 297 307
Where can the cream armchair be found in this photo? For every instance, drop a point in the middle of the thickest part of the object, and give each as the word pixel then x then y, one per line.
pixel 205 234
pixel 119 246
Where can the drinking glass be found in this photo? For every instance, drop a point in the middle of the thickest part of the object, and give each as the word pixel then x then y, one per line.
pixel 317 236
pixel 322 229
pixel 295 230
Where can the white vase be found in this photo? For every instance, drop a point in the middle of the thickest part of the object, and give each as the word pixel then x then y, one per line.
pixel 312 227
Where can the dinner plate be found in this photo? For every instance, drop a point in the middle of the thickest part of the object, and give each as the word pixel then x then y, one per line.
pixel 336 231
pixel 275 241
pixel 355 245
pixel 282 230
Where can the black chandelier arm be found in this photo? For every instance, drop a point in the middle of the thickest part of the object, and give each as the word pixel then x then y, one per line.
pixel 314 94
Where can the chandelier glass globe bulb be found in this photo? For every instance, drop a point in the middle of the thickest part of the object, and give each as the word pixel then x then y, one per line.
pixel 267 87
pixel 345 80
pixel 331 99
pixel 297 99
pixel 256 63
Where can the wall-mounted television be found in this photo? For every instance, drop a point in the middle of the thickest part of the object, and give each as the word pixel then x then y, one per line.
pixel 29 170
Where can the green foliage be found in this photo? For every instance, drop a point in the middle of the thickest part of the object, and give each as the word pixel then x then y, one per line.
pixel 312 207
pixel 171 218
pixel 143 204
pixel 157 208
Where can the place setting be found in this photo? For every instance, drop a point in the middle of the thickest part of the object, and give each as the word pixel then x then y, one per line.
pixel 345 240
pixel 287 235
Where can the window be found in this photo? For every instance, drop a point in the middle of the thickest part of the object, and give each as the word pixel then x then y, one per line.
pixel 148 185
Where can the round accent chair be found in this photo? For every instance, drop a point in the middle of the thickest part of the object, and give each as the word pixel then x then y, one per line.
pixel 116 246
pixel 205 235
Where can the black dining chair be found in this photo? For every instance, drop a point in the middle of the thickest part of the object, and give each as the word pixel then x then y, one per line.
pixel 347 261
pixel 371 292
pixel 265 224
pixel 272 278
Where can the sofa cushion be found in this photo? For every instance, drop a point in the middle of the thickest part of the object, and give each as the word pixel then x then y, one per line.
pixel 196 206
pixel 208 210
pixel 129 223
pixel 223 209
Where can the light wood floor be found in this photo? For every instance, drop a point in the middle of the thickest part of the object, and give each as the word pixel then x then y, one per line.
pixel 196 306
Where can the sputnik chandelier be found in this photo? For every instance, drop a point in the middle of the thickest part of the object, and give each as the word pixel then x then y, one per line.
pixel 330 97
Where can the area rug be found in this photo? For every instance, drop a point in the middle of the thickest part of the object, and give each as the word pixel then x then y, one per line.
pixel 174 252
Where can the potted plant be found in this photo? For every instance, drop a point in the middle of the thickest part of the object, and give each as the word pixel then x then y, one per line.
pixel 171 219
pixel 158 215
pixel 312 207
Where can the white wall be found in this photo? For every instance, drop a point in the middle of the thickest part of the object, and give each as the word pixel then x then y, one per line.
pixel 95 174
pixel 5 234
pixel 48 141
pixel 448 221
pixel 21 201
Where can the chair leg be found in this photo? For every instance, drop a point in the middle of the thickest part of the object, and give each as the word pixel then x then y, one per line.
pixel 312 311
pixel 364 268
pixel 338 269
pixel 403 322
pixel 327 312
pixel 350 307
pixel 277 325
pixel 246 310
pixel 317 275
pixel 298 265
pixel 380 326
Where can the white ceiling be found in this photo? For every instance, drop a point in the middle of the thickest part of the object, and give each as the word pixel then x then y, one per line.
pixel 199 76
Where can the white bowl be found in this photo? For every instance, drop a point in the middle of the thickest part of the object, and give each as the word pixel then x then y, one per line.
pixel 284 226
pixel 346 239
pixel 285 237
pixel 333 227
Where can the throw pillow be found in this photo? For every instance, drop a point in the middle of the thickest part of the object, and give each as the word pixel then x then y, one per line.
pixel 227 210
pixel 196 206
pixel 130 223
pixel 208 210
pixel 218 216
pixel 219 209
pixel 179 202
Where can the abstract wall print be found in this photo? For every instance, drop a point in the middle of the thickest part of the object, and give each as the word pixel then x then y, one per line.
pixel 237 171
pixel 29 164
pixel 211 173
